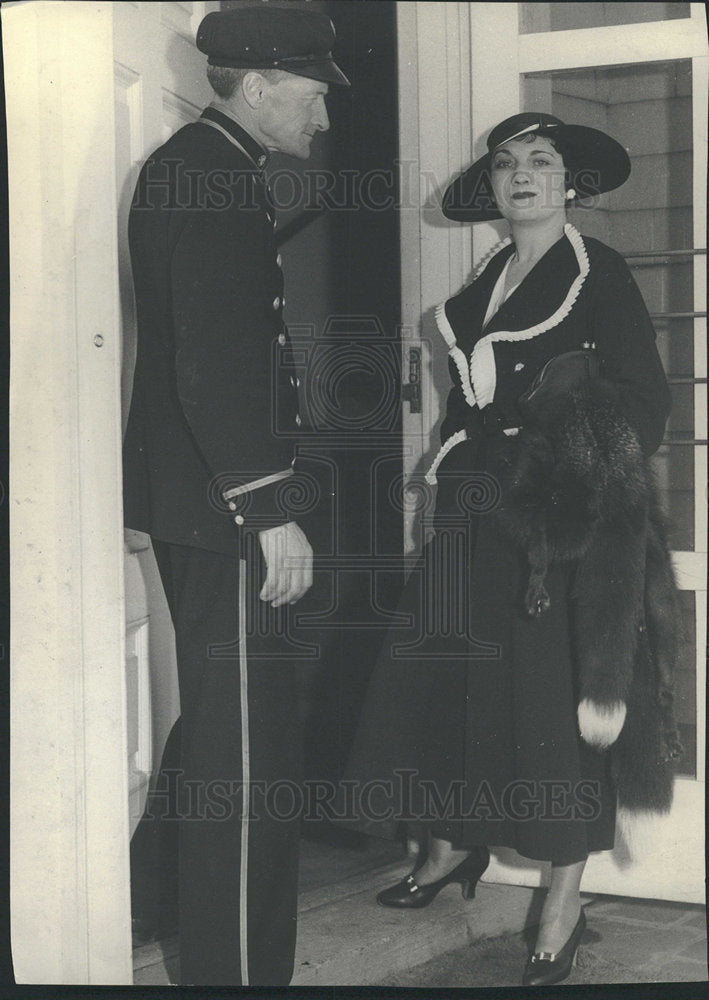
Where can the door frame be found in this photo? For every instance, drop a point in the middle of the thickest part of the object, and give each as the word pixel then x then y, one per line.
pixel 481 71
pixel 69 823
pixel 70 882
pixel 435 141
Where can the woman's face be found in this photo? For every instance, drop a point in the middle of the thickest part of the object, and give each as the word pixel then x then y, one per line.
pixel 528 180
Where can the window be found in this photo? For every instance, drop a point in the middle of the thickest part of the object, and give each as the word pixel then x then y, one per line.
pixel 650 220
pixel 536 17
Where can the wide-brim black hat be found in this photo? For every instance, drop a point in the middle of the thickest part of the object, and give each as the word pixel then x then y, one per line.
pixel 595 162
pixel 263 37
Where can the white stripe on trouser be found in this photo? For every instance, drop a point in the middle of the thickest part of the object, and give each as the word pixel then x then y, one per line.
pixel 245 776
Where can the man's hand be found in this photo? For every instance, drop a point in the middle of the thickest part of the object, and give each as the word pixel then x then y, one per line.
pixel 289 564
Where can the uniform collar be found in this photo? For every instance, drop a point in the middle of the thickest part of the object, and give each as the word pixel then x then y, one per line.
pixel 253 149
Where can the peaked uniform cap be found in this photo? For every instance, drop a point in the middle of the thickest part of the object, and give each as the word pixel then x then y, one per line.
pixel 298 41
pixel 596 163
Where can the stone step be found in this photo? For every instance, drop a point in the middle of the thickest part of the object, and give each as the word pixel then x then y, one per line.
pixel 346 939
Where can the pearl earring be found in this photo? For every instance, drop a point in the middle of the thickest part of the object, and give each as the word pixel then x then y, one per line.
pixel 570 194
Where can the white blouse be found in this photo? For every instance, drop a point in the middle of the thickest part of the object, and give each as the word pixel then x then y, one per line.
pixel 498 294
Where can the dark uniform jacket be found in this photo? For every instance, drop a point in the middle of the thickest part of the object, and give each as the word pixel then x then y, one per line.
pixel 214 402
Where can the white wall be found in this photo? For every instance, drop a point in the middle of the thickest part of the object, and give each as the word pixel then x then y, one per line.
pixel 70 913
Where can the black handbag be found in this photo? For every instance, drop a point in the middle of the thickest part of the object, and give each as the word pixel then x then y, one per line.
pixel 558 377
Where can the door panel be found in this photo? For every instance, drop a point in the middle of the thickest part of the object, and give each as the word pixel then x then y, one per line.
pixel 594 63
pixel 650 221
pixel 656 221
pixel 69 820
pixel 160 85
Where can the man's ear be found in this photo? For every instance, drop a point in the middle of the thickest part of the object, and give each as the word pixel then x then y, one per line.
pixel 252 87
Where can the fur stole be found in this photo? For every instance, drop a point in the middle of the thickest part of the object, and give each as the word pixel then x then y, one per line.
pixel 577 488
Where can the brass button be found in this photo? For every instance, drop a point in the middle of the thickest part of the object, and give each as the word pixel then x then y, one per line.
pixel 279 260
pixel 281 339
pixel 277 302
pixel 239 520
pixel 298 421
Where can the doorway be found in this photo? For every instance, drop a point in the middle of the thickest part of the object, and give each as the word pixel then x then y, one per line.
pixel 640 70
pixel 339 239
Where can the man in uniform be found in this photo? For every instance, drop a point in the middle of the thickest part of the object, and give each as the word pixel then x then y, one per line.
pixel 208 463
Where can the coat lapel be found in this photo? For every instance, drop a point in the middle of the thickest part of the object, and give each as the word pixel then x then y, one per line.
pixel 540 294
pixel 466 311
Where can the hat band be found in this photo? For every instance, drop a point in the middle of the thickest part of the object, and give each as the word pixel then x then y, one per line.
pixel 537 127
pixel 240 62
pixel 304 60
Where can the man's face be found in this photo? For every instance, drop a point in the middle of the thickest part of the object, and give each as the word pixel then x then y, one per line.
pixel 292 111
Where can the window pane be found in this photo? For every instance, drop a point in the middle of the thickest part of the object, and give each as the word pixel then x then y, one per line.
pixel 686 685
pixel 673 465
pixel 647 107
pixel 535 17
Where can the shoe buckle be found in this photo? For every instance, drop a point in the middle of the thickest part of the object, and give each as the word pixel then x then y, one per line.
pixel 544 956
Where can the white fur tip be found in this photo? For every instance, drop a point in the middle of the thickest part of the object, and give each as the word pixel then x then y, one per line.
pixel 638 831
pixel 600 725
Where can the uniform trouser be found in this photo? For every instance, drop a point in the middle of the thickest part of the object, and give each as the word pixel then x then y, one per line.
pixel 238 853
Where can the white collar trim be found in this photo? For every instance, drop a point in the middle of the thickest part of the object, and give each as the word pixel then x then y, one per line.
pixel 492 252
pixel 448 334
pixel 482 376
pixel 455 353
pixel 452 441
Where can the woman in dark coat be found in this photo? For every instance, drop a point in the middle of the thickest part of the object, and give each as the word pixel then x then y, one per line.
pixel 471 725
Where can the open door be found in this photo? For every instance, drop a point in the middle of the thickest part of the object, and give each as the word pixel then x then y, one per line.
pixel 639 71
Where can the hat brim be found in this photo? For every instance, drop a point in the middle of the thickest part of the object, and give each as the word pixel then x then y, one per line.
pixel 325 70
pixel 599 164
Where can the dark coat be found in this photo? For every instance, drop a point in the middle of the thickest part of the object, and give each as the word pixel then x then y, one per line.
pixel 555 309
pixel 577 488
pixel 214 399
pixel 469 687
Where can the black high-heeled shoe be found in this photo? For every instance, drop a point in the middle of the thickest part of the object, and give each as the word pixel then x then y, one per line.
pixel 545 967
pixel 409 895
